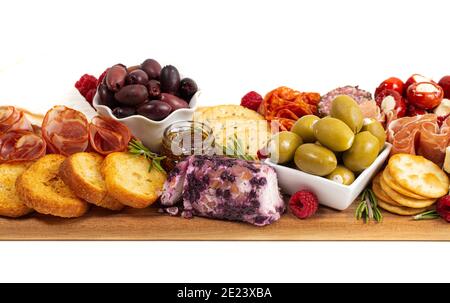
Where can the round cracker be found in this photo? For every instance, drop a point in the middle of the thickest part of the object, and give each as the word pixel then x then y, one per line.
pixel 404 200
pixel 379 193
pixel 392 184
pixel 419 175
pixel 400 210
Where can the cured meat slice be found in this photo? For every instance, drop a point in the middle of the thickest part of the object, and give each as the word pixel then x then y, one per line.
pixel 13 119
pixel 65 131
pixel 359 95
pixel 286 106
pixel 420 135
pixel 21 146
pixel 108 136
pixel 225 188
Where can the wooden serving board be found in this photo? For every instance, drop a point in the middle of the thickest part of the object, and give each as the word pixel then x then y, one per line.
pixel 148 224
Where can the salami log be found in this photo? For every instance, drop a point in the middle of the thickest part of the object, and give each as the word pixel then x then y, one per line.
pixel 16 146
pixel 13 119
pixel 65 131
pixel 107 135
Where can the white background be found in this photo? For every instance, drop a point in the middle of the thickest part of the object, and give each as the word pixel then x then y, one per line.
pixel 229 48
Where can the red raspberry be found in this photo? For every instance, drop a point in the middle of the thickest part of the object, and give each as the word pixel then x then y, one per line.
pixel 303 204
pixel 443 208
pixel 85 85
pixel 252 100
pixel 103 75
pixel 90 95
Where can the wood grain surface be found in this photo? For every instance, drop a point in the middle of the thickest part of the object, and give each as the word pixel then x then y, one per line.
pixel 148 224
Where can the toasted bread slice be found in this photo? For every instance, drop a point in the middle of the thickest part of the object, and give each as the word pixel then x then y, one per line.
pixel 81 172
pixel 10 203
pixel 129 180
pixel 41 188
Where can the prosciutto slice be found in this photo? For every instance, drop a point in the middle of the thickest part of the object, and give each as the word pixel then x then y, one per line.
pixel 108 136
pixel 16 146
pixel 13 119
pixel 65 130
pixel 420 135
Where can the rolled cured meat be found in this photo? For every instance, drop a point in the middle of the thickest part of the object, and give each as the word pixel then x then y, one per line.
pixel 13 119
pixel 65 131
pixel 16 146
pixel 420 135
pixel 107 135
pixel 225 188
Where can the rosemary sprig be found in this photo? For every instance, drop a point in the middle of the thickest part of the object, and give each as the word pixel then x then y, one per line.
pixel 368 207
pixel 235 149
pixel 427 215
pixel 137 148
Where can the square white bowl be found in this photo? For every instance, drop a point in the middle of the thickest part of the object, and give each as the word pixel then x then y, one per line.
pixel 328 192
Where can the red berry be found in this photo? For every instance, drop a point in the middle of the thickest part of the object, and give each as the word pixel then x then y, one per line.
pixel 303 204
pixel 89 96
pixel 102 76
pixel 252 100
pixel 85 85
pixel 443 208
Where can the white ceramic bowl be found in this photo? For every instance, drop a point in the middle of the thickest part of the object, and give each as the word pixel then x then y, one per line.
pixel 328 192
pixel 149 131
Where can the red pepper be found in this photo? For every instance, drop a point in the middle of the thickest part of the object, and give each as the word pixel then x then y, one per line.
pixel 425 95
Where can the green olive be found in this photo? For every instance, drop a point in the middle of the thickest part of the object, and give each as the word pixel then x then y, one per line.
pixel 362 153
pixel 314 159
pixel 374 127
pixel 348 111
pixel 283 145
pixel 304 128
pixel 333 134
pixel 342 175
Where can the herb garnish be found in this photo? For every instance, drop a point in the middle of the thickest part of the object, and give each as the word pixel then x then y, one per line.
pixel 235 149
pixel 427 215
pixel 368 207
pixel 137 148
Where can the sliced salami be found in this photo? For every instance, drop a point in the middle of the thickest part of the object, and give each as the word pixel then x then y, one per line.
pixel 65 131
pixel 16 146
pixel 108 136
pixel 13 119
